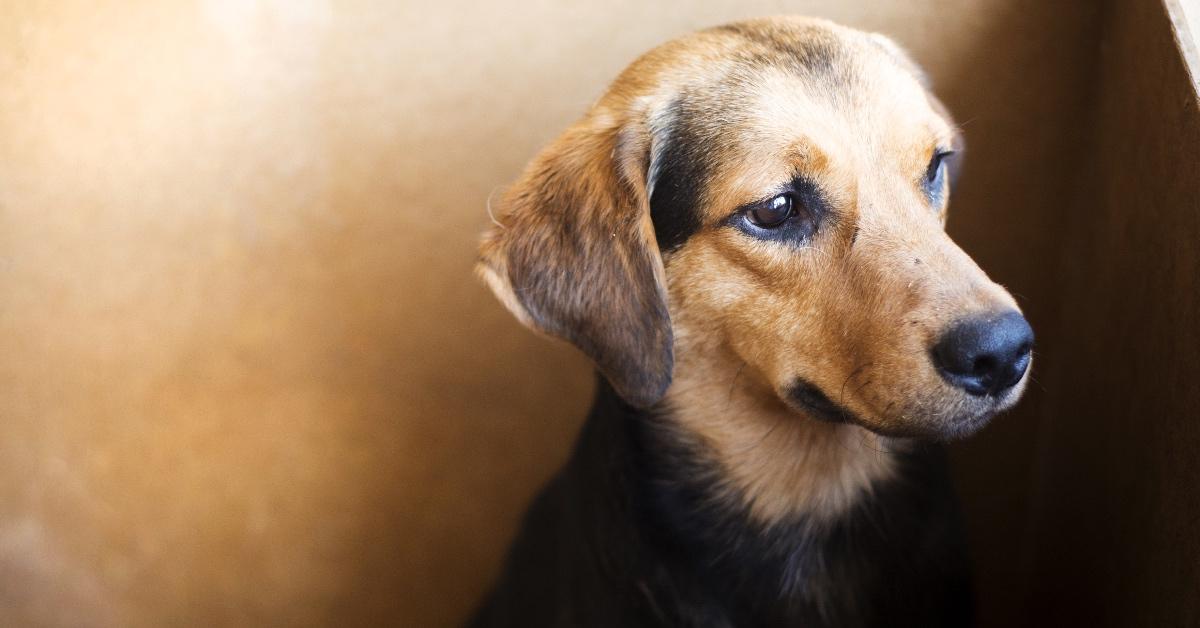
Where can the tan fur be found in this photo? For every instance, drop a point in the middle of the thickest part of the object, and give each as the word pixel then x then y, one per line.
pixel 854 313
pixel 778 464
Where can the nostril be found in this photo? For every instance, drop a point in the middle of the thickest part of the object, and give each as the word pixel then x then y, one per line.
pixel 985 354
pixel 983 365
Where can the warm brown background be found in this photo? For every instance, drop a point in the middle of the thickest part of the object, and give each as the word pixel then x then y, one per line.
pixel 246 376
pixel 1116 507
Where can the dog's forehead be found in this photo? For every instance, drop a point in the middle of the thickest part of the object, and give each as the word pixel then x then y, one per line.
pixel 776 69
pixel 870 119
pixel 770 100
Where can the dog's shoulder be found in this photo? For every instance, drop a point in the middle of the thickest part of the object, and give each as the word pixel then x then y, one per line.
pixel 579 558
pixel 612 542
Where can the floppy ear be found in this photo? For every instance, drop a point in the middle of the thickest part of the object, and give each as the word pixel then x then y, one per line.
pixel 573 255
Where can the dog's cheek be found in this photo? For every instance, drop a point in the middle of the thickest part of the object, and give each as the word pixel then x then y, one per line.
pixel 793 326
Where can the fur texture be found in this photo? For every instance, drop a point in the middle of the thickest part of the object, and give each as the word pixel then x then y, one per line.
pixel 758 450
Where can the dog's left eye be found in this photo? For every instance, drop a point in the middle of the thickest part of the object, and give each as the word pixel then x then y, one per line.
pixel 774 212
pixel 935 174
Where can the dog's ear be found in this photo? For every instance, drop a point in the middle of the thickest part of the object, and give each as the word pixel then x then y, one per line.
pixel 572 254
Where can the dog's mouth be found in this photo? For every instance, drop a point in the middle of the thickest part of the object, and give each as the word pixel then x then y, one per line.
pixel 806 397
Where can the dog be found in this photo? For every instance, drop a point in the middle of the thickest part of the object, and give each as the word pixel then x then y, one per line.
pixel 745 234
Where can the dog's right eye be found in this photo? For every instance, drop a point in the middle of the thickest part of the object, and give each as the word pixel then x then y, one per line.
pixel 791 215
pixel 774 212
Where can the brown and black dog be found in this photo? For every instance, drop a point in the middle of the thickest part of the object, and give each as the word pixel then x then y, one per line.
pixel 745 234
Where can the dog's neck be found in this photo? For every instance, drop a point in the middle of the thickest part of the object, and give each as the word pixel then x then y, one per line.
pixel 744 486
pixel 775 462
pixel 659 498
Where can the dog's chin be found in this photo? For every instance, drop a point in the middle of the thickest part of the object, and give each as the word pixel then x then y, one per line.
pixel 964 418
pixel 974 413
pixel 956 428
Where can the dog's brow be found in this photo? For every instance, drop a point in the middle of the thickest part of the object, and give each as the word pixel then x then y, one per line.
pixel 942 134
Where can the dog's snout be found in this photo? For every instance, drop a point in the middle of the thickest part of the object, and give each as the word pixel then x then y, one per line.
pixel 985 355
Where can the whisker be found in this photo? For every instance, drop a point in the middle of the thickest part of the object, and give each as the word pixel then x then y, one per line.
pixel 760 440
pixel 842 392
pixel 732 384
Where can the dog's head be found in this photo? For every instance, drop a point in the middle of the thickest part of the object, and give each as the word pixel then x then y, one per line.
pixel 775 190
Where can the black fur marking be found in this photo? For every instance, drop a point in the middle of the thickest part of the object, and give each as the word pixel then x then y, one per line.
pixel 685 163
pixel 681 171
pixel 636 531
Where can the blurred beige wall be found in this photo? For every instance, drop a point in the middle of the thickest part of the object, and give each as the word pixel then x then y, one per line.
pixel 246 376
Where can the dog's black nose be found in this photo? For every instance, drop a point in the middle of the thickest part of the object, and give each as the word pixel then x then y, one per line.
pixel 985 355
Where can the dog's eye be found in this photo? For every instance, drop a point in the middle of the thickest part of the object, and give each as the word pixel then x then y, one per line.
pixel 774 212
pixel 935 174
pixel 791 216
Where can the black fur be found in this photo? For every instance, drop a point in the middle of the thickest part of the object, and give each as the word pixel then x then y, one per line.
pixel 697 118
pixel 681 172
pixel 635 531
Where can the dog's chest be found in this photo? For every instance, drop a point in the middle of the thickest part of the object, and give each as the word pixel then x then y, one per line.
pixel 896 558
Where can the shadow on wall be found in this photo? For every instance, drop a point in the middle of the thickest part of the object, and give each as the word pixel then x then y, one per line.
pixel 1023 93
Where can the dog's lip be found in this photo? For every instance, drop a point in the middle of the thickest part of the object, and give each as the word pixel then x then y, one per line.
pixel 808 396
